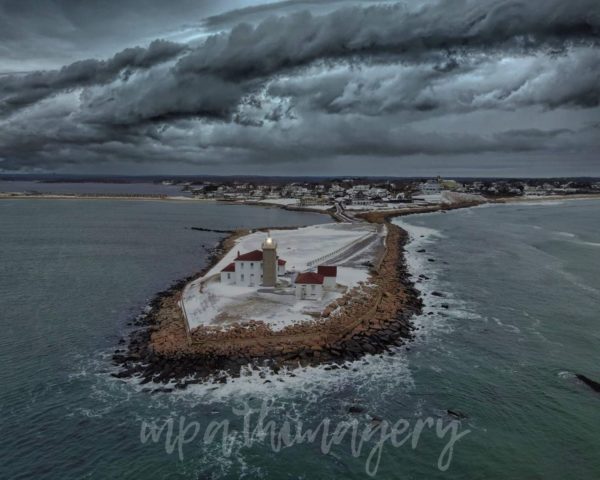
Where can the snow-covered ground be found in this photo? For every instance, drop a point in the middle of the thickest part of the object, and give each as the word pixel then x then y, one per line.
pixel 321 208
pixel 376 207
pixel 209 302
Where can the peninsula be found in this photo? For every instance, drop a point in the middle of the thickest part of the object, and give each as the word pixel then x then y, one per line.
pixel 334 292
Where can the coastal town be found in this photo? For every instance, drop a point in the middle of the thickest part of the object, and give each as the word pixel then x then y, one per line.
pixel 357 193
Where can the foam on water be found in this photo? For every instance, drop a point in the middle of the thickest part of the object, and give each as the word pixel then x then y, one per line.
pixel 418 264
pixel 538 203
pixel 590 244
pixel 309 383
pixel 566 234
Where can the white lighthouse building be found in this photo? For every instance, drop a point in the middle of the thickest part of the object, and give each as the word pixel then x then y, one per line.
pixel 256 268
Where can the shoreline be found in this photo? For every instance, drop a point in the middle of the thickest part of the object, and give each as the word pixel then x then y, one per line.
pixel 141 197
pixel 163 198
pixel 329 211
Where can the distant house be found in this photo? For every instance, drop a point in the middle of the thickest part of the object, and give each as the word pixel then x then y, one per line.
pixel 312 285
pixel 310 201
pixel 431 187
pixel 362 201
pixel 259 267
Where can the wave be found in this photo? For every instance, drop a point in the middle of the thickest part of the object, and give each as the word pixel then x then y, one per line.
pixel 590 244
pixel 437 310
pixel 566 234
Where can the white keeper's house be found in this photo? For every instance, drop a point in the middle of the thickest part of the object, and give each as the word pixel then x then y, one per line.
pixel 256 268
pixel 312 285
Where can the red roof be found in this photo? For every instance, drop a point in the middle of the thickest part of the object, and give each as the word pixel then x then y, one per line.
pixel 327 271
pixel 254 256
pixel 229 268
pixel 281 262
pixel 309 278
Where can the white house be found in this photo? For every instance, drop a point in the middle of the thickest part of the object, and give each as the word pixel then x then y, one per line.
pixel 362 201
pixel 431 187
pixel 378 192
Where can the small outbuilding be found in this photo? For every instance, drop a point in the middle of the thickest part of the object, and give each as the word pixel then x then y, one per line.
pixel 309 286
pixel 281 267
pixel 228 274
pixel 329 275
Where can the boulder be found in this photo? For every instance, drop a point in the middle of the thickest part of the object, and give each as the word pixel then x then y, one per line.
pixel 589 382
pixel 356 409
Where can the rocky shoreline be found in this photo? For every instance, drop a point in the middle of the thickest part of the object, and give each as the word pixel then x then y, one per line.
pixel 373 323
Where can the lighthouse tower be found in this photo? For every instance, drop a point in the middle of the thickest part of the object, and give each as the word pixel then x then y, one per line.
pixel 269 248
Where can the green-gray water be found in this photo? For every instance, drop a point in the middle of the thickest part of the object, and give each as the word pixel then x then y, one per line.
pixel 521 284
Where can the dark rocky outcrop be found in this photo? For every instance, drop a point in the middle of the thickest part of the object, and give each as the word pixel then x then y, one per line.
pixel 456 414
pixel 589 382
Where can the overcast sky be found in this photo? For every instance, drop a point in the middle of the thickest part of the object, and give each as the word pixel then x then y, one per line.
pixel 331 87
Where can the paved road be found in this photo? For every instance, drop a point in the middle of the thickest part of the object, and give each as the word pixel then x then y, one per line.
pixel 339 210
pixel 344 256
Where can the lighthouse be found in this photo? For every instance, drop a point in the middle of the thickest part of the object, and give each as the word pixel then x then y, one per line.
pixel 269 248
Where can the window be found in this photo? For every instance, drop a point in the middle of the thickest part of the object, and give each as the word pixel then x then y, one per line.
pixel 242 264
pixel 242 277
pixel 313 287
pixel 252 265
pixel 229 276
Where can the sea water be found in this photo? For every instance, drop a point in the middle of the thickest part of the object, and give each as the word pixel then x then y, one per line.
pixel 518 318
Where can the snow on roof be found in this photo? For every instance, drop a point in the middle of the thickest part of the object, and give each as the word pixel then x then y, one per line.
pixel 327 271
pixel 229 268
pixel 309 278
pixel 254 256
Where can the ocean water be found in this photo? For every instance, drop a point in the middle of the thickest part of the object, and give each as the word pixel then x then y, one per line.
pixel 518 319
pixel 95 188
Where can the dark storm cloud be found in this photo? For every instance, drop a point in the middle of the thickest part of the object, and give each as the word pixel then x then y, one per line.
pixel 368 81
pixel 35 32
pixel 255 13
pixel 308 143
pixel 17 91
pixel 279 43
pixel 510 83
